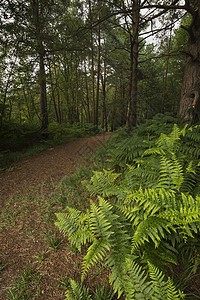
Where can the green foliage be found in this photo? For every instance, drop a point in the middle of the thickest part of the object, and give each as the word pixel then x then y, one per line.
pixel 102 183
pixel 20 140
pixel 145 214
pixel 26 286
pixel 126 146
pixel 74 291
pixel 77 291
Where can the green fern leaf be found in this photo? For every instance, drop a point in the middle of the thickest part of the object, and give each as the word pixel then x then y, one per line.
pixel 77 292
pixel 158 281
pixel 153 229
pixel 172 292
pixel 97 251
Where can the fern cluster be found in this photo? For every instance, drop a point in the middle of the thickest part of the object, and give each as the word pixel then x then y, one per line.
pixel 144 216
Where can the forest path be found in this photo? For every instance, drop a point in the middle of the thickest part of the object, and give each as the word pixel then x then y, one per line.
pixel 27 230
pixel 49 165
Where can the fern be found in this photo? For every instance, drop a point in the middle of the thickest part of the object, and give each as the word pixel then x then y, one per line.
pixel 77 292
pixel 144 212
pixel 76 225
pixel 162 290
pixel 140 287
pixel 97 251
pixel 171 174
pixel 102 182
pixel 151 228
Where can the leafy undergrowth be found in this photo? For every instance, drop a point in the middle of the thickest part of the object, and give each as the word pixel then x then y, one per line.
pixel 143 222
pixel 39 262
pixel 132 219
pixel 18 141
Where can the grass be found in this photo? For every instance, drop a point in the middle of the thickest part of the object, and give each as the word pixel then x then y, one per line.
pixel 53 239
pixel 26 286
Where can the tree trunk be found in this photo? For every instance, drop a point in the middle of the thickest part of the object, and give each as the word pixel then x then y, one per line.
pixel 92 62
pixel 103 110
pixel 131 112
pixel 190 93
pixel 3 107
pixel 43 95
pixel 37 12
pixel 166 73
pixel 53 94
pixel 113 111
pixel 123 106
pixel 87 97
pixel 98 78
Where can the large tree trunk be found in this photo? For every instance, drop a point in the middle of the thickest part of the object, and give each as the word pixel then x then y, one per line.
pixel 190 94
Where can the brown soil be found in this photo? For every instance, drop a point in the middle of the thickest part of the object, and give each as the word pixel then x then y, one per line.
pixel 23 227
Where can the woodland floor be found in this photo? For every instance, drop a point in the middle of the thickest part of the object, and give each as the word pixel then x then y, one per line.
pixel 26 226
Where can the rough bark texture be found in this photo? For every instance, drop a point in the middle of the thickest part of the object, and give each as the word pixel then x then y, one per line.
pixel 189 103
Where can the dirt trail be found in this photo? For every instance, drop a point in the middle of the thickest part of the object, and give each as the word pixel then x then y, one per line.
pixel 51 164
pixel 27 226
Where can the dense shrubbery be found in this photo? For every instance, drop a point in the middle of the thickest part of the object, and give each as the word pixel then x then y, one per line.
pixel 146 217
pixel 28 138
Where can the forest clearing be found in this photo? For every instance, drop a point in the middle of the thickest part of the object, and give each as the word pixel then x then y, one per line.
pixel 99 149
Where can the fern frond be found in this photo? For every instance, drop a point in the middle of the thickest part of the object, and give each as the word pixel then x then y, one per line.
pixel 153 151
pixel 161 256
pixel 76 225
pixel 169 143
pixel 152 228
pixel 172 292
pixel 163 290
pixel 101 182
pixel 140 287
pixel 77 291
pixel 171 174
pixel 159 283
pixel 97 251
pixel 99 223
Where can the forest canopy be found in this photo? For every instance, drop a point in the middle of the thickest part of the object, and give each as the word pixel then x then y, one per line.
pixel 108 63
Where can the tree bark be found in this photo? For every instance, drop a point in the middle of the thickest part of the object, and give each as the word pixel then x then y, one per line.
pixel 123 106
pixel 132 105
pixel 113 111
pixel 103 109
pixel 166 73
pixel 43 94
pixel 98 78
pixel 53 94
pixel 87 97
pixel 190 93
pixel 92 63
pixel 37 11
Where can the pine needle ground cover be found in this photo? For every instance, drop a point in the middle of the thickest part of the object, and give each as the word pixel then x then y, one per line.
pixel 143 220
